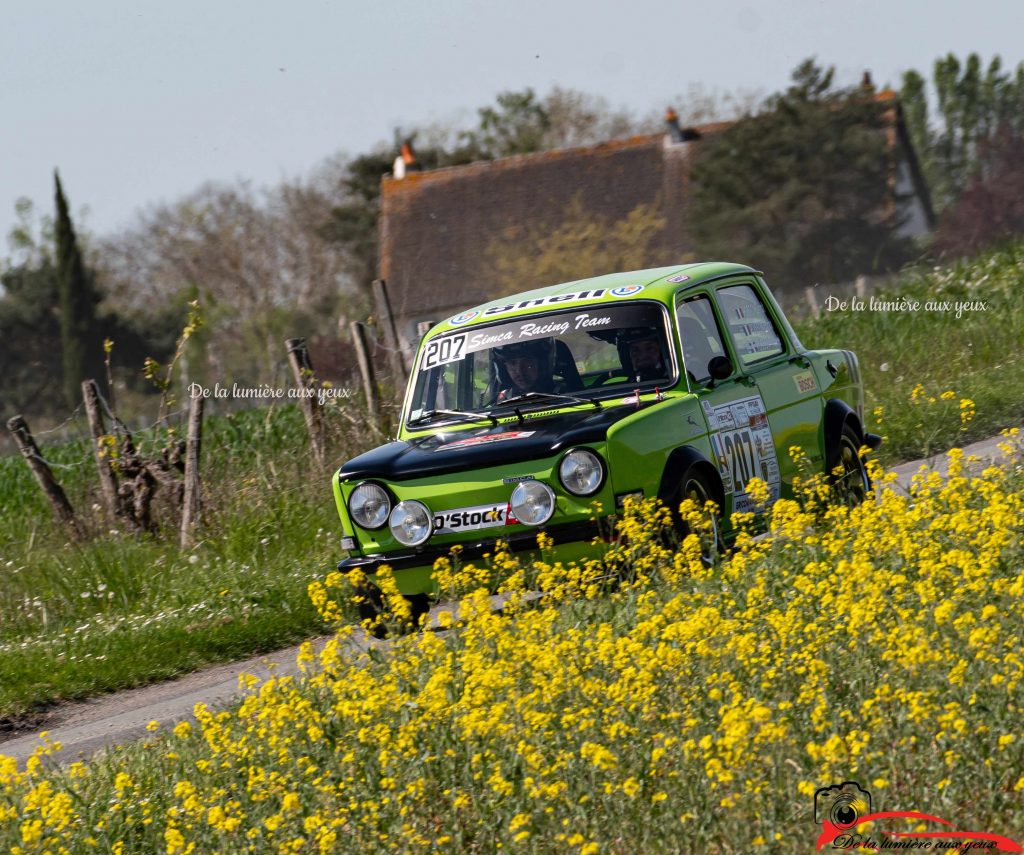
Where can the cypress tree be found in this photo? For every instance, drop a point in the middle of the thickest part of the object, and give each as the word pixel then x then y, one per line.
pixel 77 302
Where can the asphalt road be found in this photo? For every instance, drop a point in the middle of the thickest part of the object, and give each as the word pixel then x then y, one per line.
pixel 86 726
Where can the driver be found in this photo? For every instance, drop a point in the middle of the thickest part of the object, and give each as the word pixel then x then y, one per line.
pixel 642 345
pixel 524 367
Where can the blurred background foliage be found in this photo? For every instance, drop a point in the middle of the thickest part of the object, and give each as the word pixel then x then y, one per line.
pixel 297 259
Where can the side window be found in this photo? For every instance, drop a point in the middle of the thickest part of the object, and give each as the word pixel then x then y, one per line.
pixel 445 386
pixel 753 333
pixel 699 336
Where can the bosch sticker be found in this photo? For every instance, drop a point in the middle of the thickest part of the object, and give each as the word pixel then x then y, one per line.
pixel 486 439
pixel 679 277
pixel 804 382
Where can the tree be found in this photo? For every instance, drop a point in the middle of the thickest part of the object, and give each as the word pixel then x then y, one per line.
pixel 970 107
pixel 991 209
pixel 576 118
pixel 78 300
pixel 352 224
pixel 803 188
pixel 576 245
pixel 30 340
pixel 700 105
pixel 259 263
pixel 516 124
pixel 31 353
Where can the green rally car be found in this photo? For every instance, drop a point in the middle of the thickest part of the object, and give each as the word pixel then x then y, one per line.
pixel 521 413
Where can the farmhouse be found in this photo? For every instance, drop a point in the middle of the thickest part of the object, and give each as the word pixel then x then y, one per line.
pixel 437 228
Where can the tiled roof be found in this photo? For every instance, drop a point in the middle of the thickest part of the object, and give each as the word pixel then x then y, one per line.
pixel 436 226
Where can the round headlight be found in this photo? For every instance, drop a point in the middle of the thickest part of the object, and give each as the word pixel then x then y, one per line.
pixel 411 523
pixel 369 505
pixel 533 502
pixel 581 472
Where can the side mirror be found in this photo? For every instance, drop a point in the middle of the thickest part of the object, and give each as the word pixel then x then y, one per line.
pixel 720 368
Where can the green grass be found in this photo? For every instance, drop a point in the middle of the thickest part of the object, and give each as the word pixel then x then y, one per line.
pixel 979 356
pixel 121 609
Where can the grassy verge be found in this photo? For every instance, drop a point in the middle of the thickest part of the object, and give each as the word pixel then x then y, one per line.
pixel 691 710
pixel 121 609
pixel 979 355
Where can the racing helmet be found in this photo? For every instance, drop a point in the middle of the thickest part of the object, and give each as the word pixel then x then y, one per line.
pixel 629 335
pixel 542 350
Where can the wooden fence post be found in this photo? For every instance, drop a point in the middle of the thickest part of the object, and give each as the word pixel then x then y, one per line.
pixel 812 302
pixel 191 504
pixel 104 461
pixel 30 451
pixel 302 369
pixel 396 356
pixel 365 359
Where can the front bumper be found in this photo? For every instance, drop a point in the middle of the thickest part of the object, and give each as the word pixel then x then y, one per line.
pixel 525 541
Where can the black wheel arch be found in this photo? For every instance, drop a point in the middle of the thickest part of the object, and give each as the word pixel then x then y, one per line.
pixel 679 462
pixel 838 414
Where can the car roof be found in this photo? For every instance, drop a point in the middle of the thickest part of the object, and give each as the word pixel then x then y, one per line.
pixel 658 283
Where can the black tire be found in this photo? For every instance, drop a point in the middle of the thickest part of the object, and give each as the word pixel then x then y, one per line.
pixel 695 484
pixel 851 486
pixel 370 605
pixel 371 610
pixel 419 604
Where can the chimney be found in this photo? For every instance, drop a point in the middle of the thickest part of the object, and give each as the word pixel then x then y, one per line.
pixel 675 133
pixel 405 162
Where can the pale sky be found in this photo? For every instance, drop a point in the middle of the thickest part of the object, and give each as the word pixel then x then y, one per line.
pixel 139 103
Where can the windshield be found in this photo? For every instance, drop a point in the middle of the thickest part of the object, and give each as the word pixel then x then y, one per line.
pixel 590 352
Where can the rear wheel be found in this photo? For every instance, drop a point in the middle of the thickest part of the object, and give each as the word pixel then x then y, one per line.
pixel 849 476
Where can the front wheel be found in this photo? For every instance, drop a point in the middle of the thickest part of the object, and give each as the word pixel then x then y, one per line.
pixel 373 615
pixel 696 486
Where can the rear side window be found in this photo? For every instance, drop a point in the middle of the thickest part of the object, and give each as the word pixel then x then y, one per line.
pixel 753 334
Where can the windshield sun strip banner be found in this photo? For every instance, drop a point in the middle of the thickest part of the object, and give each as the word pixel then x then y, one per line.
pixel 553 300
pixel 451 347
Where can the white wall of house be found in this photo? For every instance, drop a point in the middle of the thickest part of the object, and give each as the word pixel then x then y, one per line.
pixel 915 220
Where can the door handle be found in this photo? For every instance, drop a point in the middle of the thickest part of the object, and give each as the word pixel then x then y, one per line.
pixel 745 380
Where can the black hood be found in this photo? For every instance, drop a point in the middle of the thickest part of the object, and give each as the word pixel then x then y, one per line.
pixel 458 450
